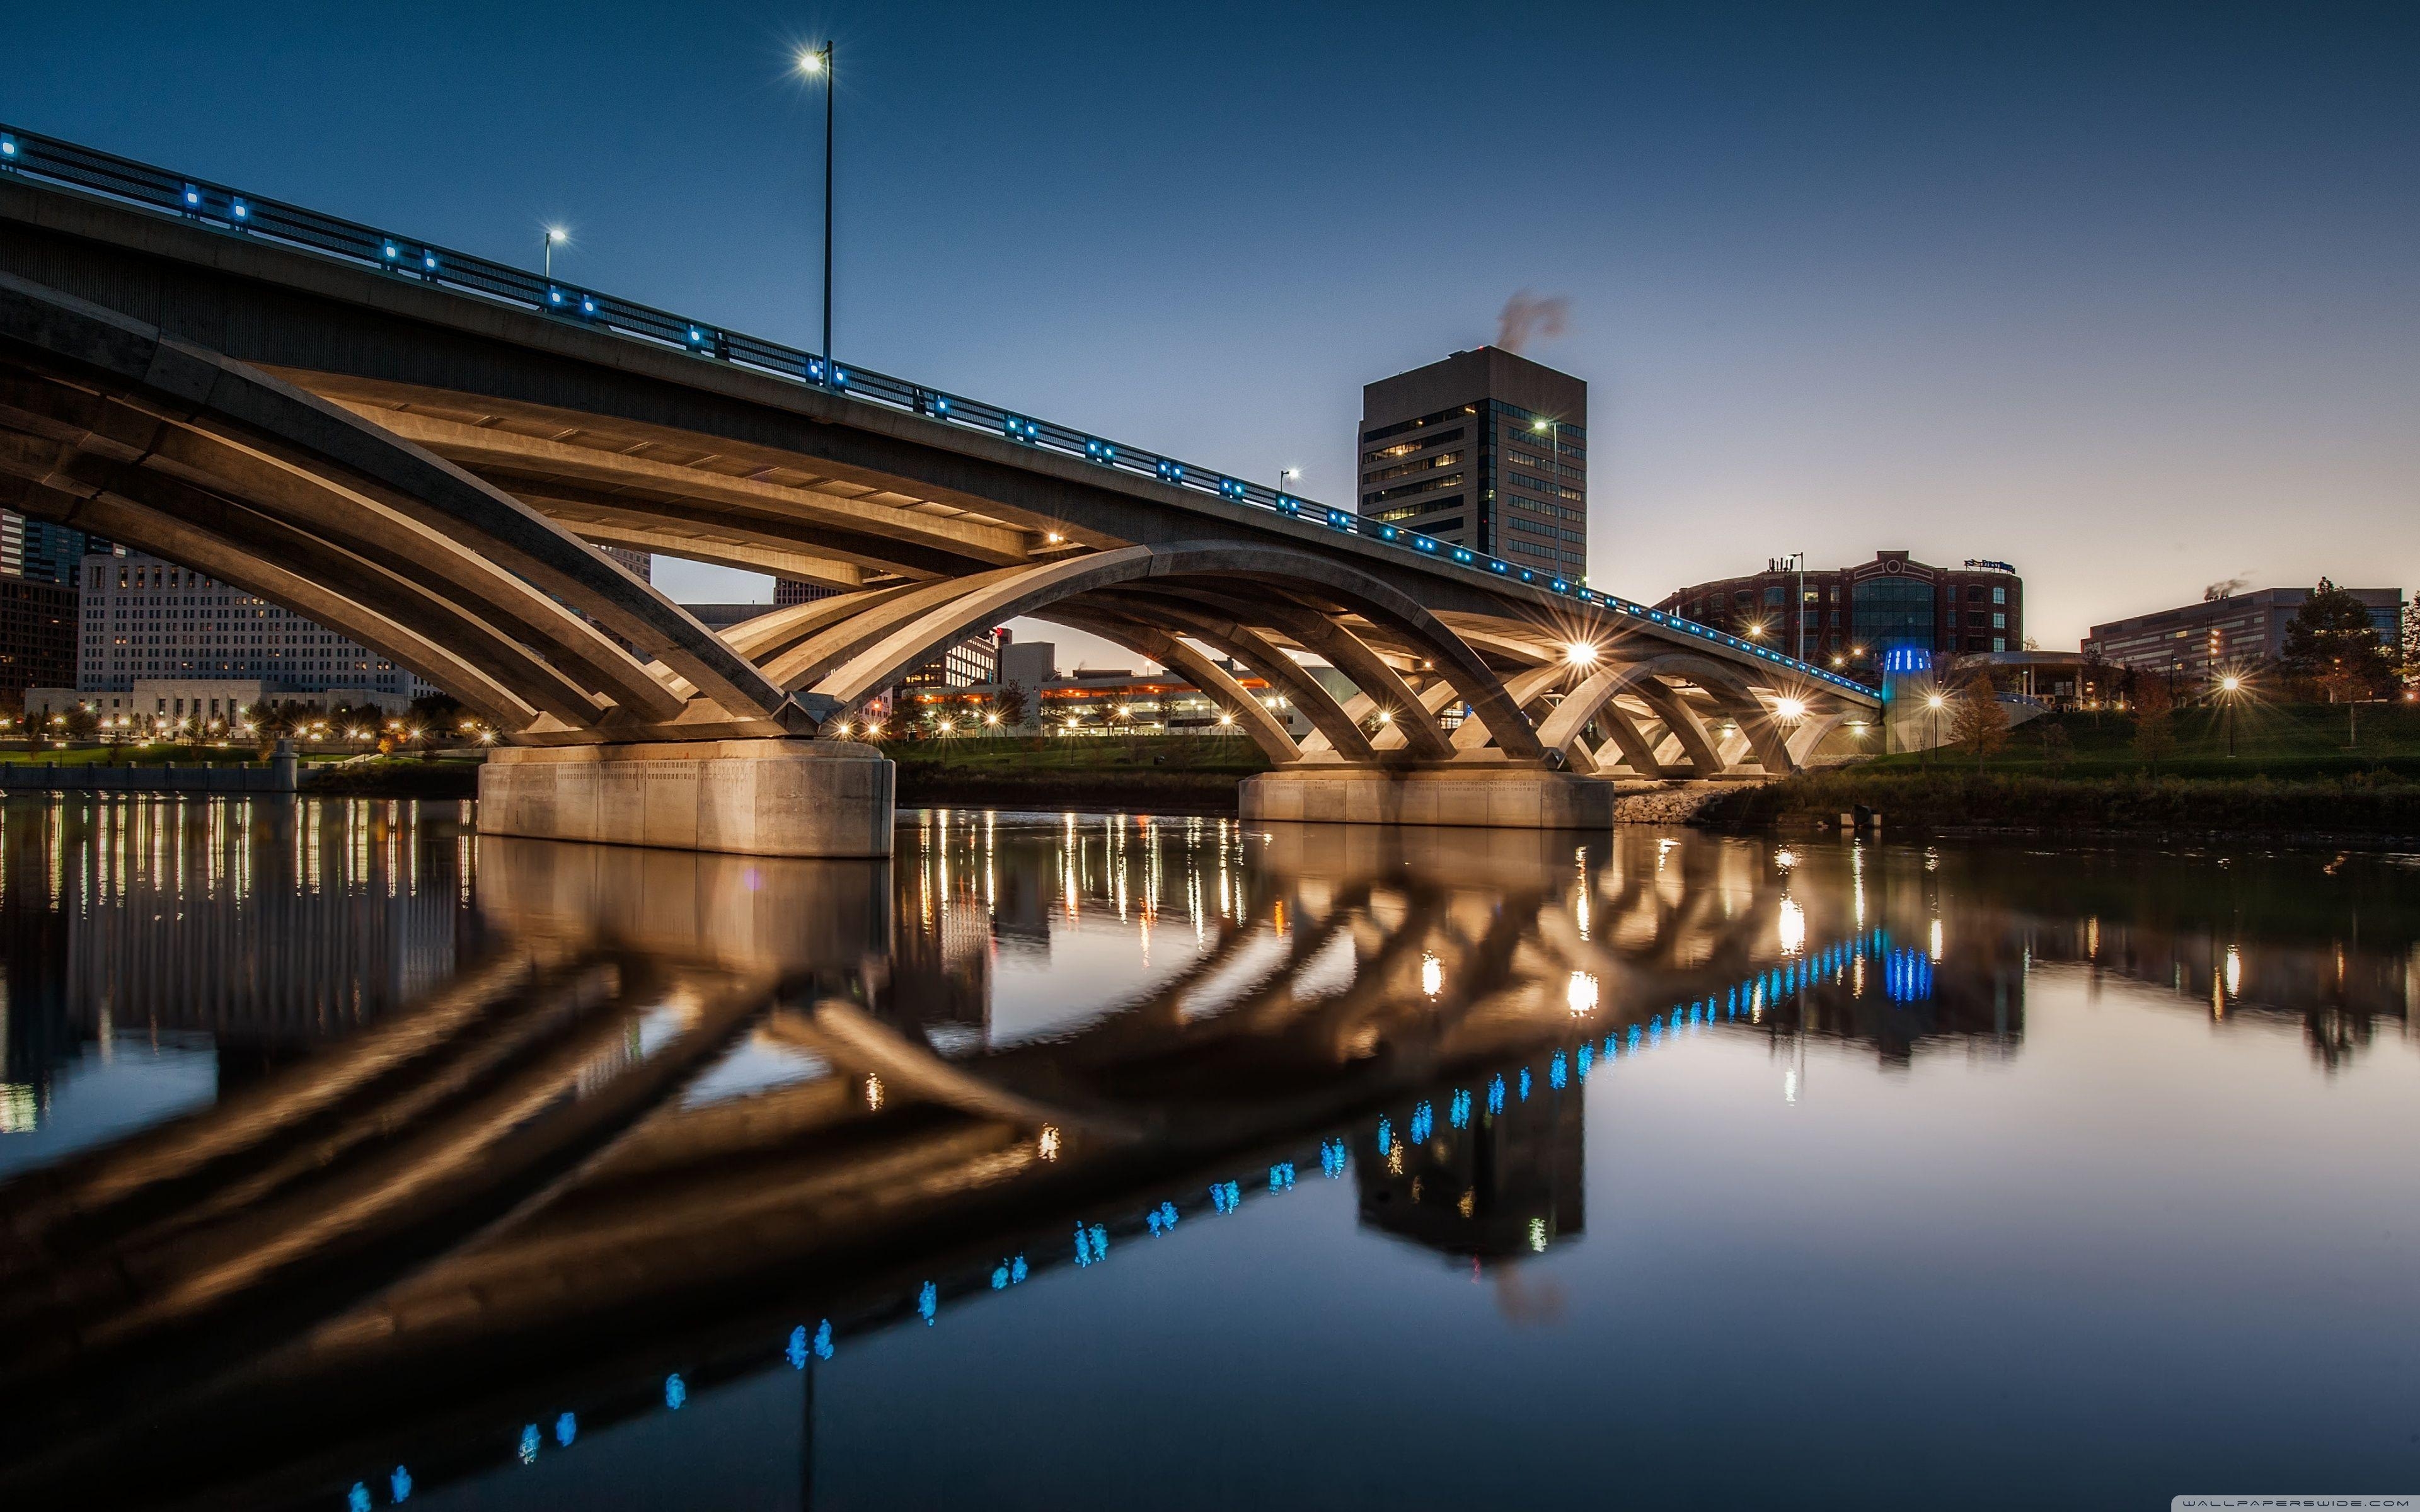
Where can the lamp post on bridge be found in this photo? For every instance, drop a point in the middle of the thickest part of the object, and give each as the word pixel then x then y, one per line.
pixel 817 63
pixel 555 236
pixel 1286 475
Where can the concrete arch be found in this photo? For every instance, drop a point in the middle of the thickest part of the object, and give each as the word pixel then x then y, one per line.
pixel 131 413
pixel 1229 573
pixel 1250 716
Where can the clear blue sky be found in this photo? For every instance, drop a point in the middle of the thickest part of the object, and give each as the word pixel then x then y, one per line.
pixel 2127 295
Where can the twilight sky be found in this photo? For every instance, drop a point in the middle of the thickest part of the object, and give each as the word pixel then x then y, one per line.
pixel 2127 295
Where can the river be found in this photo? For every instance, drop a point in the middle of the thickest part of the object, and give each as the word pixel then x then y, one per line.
pixel 349 1159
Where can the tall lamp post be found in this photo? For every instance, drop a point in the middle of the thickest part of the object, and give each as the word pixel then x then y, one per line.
pixel 1286 475
pixel 1932 703
pixel 817 63
pixel 1795 562
pixel 555 236
pixel 2228 687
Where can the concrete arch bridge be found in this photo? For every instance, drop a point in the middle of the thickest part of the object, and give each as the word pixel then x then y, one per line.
pixel 421 449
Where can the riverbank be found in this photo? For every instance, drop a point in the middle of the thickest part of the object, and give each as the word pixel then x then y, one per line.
pixel 445 774
pixel 2295 775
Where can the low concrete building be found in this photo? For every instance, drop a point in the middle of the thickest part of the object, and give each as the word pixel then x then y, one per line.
pixel 2235 631
pixel 196 703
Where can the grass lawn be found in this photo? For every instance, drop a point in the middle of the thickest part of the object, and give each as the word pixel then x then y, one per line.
pixel 2294 770
pixel 2276 741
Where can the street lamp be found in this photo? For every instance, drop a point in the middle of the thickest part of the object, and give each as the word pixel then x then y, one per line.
pixel 1286 475
pixel 816 63
pixel 2228 687
pixel 555 236
pixel 1932 703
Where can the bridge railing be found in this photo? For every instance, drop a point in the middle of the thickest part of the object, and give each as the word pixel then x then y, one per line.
pixel 230 210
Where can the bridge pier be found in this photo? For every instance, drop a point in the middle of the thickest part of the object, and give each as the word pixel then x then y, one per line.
pixel 1498 795
pixel 745 797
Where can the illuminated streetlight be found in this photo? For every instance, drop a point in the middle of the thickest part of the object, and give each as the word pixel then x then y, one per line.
pixel 1789 708
pixel 555 236
pixel 816 63
pixel 1932 703
pixel 1287 475
pixel 1580 654
pixel 2228 687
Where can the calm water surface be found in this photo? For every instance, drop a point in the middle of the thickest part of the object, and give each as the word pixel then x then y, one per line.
pixel 347 1159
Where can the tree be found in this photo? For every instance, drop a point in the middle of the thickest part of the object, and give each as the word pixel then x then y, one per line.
pixel 2058 748
pixel 2155 732
pixel 1979 720
pixel 1010 706
pixel 2331 643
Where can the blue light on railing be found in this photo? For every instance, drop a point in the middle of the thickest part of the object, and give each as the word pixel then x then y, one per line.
pixel 587 304
pixel 391 252
pixel 1016 1274
pixel 1495 1096
pixel 1524 1084
pixel 192 195
pixel 528 1446
pixel 928 1303
pixel 240 210
pixel 7 146
pixel 1559 1071
pixel 358 1498
pixel 1386 1136
pixel 795 1350
pixel 567 1427
pixel 675 1392
pixel 554 296
pixel 940 405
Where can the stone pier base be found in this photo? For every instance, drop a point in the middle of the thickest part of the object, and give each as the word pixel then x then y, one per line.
pixel 746 797
pixel 1491 797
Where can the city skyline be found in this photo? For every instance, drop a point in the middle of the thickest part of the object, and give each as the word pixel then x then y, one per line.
pixel 2134 338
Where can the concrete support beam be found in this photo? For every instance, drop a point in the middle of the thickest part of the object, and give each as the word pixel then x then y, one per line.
pixel 746 797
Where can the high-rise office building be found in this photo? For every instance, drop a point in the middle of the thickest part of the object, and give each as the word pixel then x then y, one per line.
pixel 790 591
pixel 642 563
pixel 40 551
pixel 38 637
pixel 1485 449
pixel 148 620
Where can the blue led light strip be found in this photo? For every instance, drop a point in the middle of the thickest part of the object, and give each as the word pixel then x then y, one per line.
pixel 219 207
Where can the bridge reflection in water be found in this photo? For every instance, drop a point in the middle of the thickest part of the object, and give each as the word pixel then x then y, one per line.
pixel 632 1123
